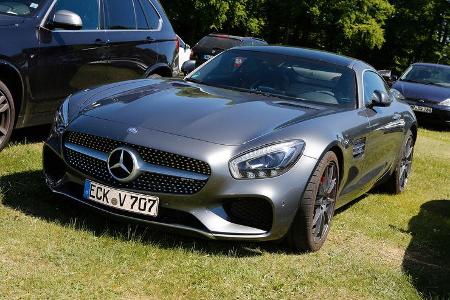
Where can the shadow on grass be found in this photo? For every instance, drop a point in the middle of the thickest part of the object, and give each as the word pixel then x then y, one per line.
pixel 433 126
pixel 427 259
pixel 30 135
pixel 27 193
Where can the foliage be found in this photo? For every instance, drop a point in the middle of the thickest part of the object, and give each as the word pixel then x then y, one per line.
pixel 387 33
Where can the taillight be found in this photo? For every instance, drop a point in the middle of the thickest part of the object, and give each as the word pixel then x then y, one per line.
pixel 192 55
pixel 178 42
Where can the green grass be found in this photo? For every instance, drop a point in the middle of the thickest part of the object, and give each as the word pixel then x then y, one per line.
pixel 392 247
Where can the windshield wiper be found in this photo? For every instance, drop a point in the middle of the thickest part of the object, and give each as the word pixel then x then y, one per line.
pixel 193 80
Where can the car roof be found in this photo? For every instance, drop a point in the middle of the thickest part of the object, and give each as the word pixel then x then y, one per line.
pixel 318 55
pixel 234 37
pixel 431 65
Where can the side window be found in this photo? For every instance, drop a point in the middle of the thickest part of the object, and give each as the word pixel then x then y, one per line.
pixel 140 16
pixel 121 15
pixel 152 15
pixel 88 10
pixel 372 82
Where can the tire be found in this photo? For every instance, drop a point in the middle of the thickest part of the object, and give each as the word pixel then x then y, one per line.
pixel 398 181
pixel 7 115
pixel 307 232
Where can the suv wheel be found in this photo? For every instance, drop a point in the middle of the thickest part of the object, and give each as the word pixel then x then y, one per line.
pixel 7 115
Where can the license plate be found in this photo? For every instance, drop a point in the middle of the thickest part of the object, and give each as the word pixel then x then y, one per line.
pixel 122 200
pixel 422 109
pixel 208 57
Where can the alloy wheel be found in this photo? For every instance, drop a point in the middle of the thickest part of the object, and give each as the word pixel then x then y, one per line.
pixel 5 117
pixel 406 164
pixel 325 202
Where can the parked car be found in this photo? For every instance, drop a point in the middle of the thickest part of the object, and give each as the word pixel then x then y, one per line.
pixel 214 44
pixel 184 53
pixel 52 48
pixel 426 87
pixel 260 143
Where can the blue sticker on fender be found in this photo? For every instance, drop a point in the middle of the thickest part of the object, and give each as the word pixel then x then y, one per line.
pixel 87 189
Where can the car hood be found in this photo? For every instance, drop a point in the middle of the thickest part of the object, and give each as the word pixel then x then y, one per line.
pixel 200 112
pixel 6 20
pixel 422 91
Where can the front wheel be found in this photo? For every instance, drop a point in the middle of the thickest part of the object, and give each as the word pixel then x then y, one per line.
pixel 7 115
pixel 313 221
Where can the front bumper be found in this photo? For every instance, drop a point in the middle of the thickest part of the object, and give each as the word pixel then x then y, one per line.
pixel 206 212
pixel 440 114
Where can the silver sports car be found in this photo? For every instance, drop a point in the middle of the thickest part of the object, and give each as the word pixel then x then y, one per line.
pixel 260 143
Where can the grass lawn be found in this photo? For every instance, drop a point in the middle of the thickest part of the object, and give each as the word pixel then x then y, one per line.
pixel 393 247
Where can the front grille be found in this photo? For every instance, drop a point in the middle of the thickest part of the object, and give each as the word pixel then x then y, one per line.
pixel 151 156
pixel 252 212
pixel 146 182
pixel 420 101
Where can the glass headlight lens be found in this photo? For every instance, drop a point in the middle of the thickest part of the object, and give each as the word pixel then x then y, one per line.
pixel 62 117
pixel 445 103
pixel 267 162
pixel 396 94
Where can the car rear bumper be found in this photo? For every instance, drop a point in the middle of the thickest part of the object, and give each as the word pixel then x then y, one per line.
pixel 225 208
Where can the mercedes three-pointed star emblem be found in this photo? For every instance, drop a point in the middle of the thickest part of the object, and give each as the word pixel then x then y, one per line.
pixel 123 164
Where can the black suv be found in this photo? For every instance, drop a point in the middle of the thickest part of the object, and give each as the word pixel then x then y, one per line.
pixel 214 44
pixel 52 48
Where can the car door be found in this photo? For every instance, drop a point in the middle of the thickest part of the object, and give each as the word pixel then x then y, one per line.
pixel 68 60
pixel 386 129
pixel 132 44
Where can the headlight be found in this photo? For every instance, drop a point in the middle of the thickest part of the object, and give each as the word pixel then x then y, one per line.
pixel 397 94
pixel 267 162
pixel 62 117
pixel 445 103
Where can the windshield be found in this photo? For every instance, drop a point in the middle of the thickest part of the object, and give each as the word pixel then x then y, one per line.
pixel 284 76
pixel 432 75
pixel 19 7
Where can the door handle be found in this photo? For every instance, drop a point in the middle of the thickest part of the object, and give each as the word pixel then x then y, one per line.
pixel 100 42
pixel 149 39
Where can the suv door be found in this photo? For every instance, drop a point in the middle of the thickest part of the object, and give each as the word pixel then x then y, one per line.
pixel 386 129
pixel 68 60
pixel 132 45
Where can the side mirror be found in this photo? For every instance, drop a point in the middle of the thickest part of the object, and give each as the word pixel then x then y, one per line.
pixel 68 20
pixel 188 66
pixel 380 99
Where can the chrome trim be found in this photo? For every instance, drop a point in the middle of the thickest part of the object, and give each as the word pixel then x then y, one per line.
pixel 161 21
pixel 143 166
pixel 87 151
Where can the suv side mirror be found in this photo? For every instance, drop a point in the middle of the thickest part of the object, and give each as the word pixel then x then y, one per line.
pixel 380 99
pixel 68 20
pixel 188 66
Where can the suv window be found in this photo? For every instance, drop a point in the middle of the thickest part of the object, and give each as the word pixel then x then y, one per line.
pixel 88 10
pixel 140 16
pixel 153 17
pixel 372 83
pixel 121 15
